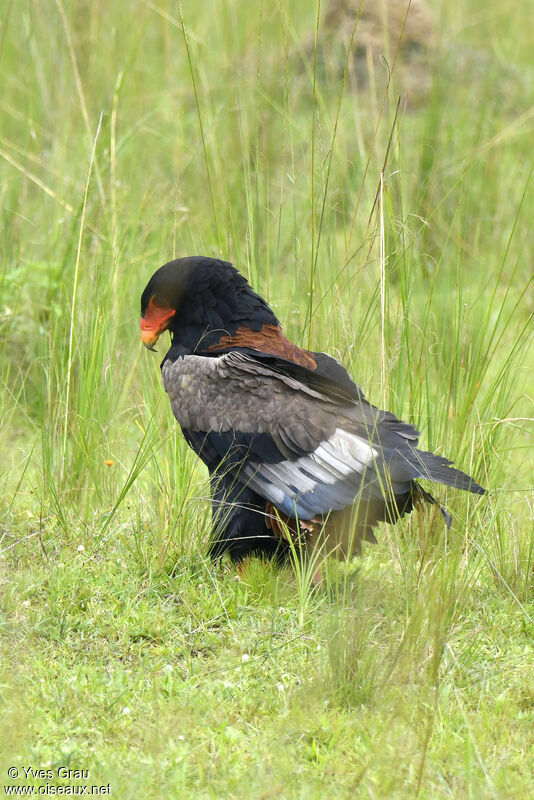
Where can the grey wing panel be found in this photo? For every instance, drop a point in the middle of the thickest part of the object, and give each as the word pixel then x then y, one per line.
pixel 213 394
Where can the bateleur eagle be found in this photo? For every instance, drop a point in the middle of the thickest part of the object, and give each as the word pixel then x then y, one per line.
pixel 292 446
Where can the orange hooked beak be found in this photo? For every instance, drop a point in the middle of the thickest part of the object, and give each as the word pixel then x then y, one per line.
pixel 154 321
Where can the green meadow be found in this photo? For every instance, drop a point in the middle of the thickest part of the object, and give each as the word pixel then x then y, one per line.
pixel 397 236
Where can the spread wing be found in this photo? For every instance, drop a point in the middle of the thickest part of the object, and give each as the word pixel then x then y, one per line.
pixel 295 437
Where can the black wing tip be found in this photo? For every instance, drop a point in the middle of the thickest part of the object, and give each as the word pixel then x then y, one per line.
pixel 440 470
pixel 459 480
pixel 467 484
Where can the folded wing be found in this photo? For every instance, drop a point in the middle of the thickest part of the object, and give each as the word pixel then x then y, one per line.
pixel 304 441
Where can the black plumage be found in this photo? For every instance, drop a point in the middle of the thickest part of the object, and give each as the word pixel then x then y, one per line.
pixel 292 446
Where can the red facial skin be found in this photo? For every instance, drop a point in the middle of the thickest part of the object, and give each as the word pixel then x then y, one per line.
pixel 154 322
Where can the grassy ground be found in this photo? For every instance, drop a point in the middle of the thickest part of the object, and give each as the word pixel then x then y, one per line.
pixel 408 673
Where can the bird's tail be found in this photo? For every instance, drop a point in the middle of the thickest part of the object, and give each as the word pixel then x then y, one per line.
pixel 438 468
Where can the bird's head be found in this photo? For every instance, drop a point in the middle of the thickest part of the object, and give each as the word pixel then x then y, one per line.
pixel 198 300
pixel 162 298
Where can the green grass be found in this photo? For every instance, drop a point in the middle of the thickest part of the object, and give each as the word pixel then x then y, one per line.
pixel 123 143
